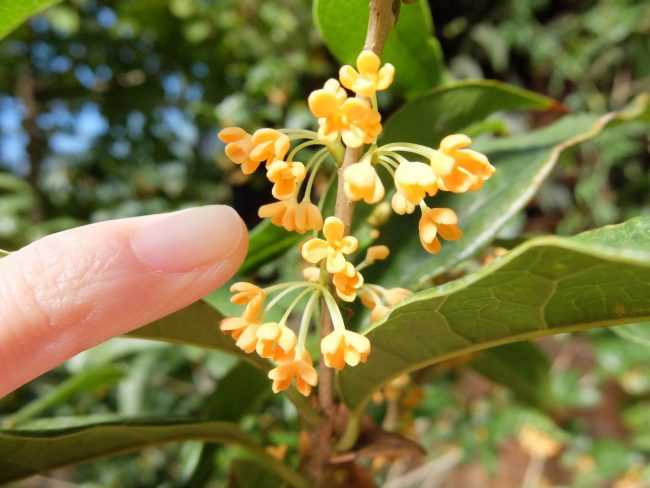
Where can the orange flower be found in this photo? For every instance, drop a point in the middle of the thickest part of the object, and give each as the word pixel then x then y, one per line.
pixel 459 170
pixel 400 204
pixel 395 295
pixel 244 292
pixel 243 330
pixel 436 221
pixel 347 282
pixel 376 253
pixel 239 147
pixel 281 213
pixel 277 342
pixel 414 181
pixel 308 217
pixel 353 118
pixel 370 78
pixel 344 346
pixel 300 368
pixel 292 215
pixel 378 308
pixel 333 249
pixel 270 144
pixel 285 175
pixel 362 182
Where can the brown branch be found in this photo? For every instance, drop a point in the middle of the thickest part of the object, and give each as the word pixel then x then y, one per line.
pixel 382 18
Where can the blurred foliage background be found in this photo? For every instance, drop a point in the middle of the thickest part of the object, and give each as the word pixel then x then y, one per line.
pixel 110 109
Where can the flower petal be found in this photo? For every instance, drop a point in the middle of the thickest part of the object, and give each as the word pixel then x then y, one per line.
pixel 314 250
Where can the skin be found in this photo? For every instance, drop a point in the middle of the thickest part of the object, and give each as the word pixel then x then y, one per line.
pixel 73 290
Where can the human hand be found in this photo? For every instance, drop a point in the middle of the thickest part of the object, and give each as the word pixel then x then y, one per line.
pixel 73 290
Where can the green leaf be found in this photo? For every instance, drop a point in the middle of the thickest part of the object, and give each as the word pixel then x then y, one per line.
pixel 14 12
pixel 522 162
pixel 522 367
pixel 236 395
pixel 82 381
pixel 549 285
pixel 195 325
pixel 28 452
pixel 198 325
pixel 410 46
pixel 267 242
pixel 250 474
pixel 449 108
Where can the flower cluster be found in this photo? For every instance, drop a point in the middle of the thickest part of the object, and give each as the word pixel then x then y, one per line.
pixel 278 342
pixel 418 172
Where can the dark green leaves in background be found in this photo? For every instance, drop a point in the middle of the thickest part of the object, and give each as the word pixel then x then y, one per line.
pixel 25 453
pixel 410 47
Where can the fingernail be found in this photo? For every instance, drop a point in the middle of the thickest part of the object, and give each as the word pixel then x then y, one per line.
pixel 189 239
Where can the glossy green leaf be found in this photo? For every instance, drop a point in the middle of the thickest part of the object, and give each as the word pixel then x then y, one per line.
pixel 522 367
pixel 14 12
pixel 450 108
pixel 25 453
pixel 410 46
pixel 197 325
pixel 549 285
pixel 522 162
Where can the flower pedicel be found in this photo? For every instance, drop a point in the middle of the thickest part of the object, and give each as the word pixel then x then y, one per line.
pixel 418 173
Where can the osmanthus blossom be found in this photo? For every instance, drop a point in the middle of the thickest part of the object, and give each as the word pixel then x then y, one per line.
pixel 415 181
pixel 344 346
pixel 369 78
pixel 352 118
pixel 285 176
pixel 293 216
pixel 458 169
pixel 276 341
pixel 417 172
pixel 244 329
pixel 300 369
pixel 238 148
pixel 438 222
pixel 332 249
pixel 269 145
pixel 361 182
pixel 347 282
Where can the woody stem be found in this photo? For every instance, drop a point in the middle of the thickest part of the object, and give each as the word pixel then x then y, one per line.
pixel 381 20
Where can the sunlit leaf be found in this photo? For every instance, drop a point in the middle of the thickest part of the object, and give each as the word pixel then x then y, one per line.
pixel 14 12
pixel 410 46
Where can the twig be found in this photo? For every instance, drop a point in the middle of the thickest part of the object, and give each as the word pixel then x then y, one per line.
pixel 380 21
